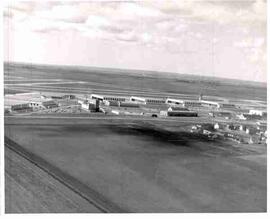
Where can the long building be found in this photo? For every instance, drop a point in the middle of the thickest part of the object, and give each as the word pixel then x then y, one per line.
pixel 21 107
pixel 174 101
pixel 182 113
pixel 113 98
pixel 190 103
pixel 140 100
pixel 179 113
pixel 227 105
pixel 210 103
pixel 155 101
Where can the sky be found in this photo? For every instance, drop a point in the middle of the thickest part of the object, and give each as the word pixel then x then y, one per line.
pixel 221 38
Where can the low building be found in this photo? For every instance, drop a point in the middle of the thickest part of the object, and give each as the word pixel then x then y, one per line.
pixel 174 101
pixel 114 98
pixel 210 103
pixel 35 104
pixel 262 126
pixel 56 97
pixel 177 108
pixel 192 103
pixel 129 104
pixel 21 107
pixel 89 106
pixel 49 104
pixel 155 101
pixel 139 100
pixel 226 115
pixel 241 117
pixel 258 112
pixel 69 96
pixel 116 112
pixel 216 126
pixel 164 113
pixel 112 103
pixel 182 113
pixel 251 130
pixel 206 132
pixel 97 97
pixel 252 116
pixel 227 105
pixel 208 126
pixel 232 136
pixel 81 101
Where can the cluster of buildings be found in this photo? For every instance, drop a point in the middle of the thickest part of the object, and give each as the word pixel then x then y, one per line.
pixel 137 101
pixel 31 106
pixel 253 114
pixel 161 107
pixel 236 132
pixel 29 102
pixel 171 108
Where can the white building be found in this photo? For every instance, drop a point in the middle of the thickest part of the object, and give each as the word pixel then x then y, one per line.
pixel 35 104
pixel 177 108
pixel 241 116
pixel 210 103
pixel 138 100
pixel 257 112
pixel 174 101
pixel 216 126
pixel 97 97
pixel 163 113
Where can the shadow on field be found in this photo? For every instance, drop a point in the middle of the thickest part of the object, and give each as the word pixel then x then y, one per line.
pixel 146 131
pixel 171 138
pixel 154 136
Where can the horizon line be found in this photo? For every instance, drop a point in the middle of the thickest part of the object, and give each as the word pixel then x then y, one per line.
pixel 133 69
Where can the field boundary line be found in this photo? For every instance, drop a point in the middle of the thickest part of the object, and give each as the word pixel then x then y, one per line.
pixel 90 195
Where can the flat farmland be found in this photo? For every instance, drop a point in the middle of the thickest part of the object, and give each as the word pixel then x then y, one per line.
pixel 145 167
pixel 140 80
pixel 31 190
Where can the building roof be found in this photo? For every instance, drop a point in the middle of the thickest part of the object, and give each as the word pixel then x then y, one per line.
pixel 49 102
pixel 209 102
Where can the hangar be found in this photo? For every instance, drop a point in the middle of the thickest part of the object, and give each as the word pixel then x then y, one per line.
pixel 155 101
pixel 97 97
pixel 113 98
pixel 138 100
pixel 174 101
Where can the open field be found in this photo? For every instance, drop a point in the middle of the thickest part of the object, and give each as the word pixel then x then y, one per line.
pixel 31 190
pixel 143 167
pixel 138 80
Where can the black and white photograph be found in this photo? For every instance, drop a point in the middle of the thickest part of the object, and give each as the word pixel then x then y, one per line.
pixel 134 106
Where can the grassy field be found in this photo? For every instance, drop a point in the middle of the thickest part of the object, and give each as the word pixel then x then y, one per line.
pixel 142 167
pixel 142 80
pixel 31 190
